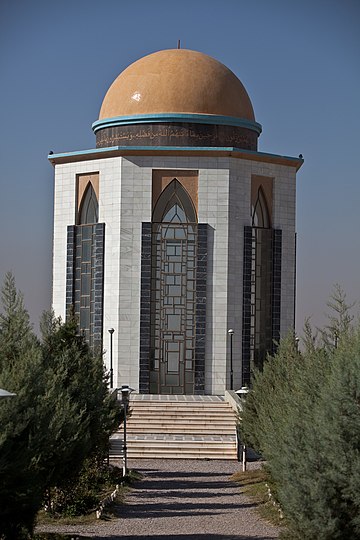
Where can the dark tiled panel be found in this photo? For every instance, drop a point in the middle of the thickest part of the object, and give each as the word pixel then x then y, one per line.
pixel 74 260
pixel 145 295
pixel 271 252
pixel 246 306
pixel 70 267
pixel 98 285
pixel 201 281
pixel 276 287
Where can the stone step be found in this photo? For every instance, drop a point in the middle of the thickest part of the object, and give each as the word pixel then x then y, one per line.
pixel 173 418
pixel 187 411
pixel 182 414
pixel 188 450
pixel 163 406
pixel 185 427
pixel 179 398
pixel 181 440
pixel 175 454
pixel 179 429
pixel 182 449
pixel 116 448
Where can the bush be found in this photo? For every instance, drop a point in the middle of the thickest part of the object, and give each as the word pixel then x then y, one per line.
pixel 303 415
pixel 62 413
pixel 83 493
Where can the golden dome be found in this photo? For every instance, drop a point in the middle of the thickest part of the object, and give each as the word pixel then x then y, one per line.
pixel 177 81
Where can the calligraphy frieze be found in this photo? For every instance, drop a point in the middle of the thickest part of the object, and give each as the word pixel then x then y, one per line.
pixel 172 134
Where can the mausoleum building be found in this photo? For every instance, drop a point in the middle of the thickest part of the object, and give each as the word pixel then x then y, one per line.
pixel 175 229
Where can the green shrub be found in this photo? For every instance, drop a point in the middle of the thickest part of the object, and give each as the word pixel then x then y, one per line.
pixel 62 413
pixel 303 415
pixel 83 493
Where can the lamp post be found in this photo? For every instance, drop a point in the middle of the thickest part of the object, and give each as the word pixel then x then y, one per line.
pixel 111 331
pixel 5 394
pixel 125 398
pixel 242 393
pixel 231 333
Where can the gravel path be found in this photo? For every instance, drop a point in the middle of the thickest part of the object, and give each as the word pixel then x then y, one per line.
pixel 184 500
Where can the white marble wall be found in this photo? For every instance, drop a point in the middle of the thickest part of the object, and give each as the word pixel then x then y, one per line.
pixel 224 203
pixel 64 215
pixel 109 212
pixel 283 213
pixel 136 208
pixel 214 210
pixel 239 213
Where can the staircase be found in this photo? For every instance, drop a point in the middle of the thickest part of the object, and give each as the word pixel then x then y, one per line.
pixel 178 427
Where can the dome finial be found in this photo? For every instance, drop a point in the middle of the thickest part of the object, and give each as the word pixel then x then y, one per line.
pixel 179 46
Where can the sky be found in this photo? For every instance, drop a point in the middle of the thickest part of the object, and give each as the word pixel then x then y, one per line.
pixel 299 61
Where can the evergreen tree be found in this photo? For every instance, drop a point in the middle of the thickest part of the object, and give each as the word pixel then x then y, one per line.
pixel 303 415
pixel 267 401
pixel 81 372
pixel 62 413
pixel 16 334
pixel 339 318
pixel 21 371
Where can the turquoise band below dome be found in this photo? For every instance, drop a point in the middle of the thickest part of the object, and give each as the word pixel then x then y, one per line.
pixel 176 117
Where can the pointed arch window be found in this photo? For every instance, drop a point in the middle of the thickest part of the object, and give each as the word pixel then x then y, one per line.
pixel 173 292
pixel 260 211
pixel 174 205
pixel 260 240
pixel 89 208
pixel 88 266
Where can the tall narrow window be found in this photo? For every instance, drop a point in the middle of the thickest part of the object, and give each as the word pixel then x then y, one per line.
pixel 88 212
pixel 261 284
pixel 260 212
pixel 89 237
pixel 173 294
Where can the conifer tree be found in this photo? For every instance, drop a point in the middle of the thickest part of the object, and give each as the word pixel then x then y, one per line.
pixel 61 415
pixel 21 371
pixel 81 375
pixel 303 415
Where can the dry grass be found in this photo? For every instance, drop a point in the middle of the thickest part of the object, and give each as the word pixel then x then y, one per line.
pixel 253 485
pixel 44 518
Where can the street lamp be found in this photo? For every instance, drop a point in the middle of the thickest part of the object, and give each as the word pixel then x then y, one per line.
pixel 231 333
pixel 242 393
pixel 111 331
pixel 125 398
pixel 5 394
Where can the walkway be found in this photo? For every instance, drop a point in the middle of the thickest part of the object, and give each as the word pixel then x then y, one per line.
pixel 183 500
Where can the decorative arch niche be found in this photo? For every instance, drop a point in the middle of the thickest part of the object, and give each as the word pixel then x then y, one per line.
pixel 260 211
pixel 262 280
pixel 89 207
pixel 174 205
pixel 174 246
pixel 85 261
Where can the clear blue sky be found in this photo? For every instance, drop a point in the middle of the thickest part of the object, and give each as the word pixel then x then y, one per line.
pixel 298 60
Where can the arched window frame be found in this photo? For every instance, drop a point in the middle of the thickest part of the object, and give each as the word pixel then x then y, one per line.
pixel 89 207
pixel 260 211
pixel 174 193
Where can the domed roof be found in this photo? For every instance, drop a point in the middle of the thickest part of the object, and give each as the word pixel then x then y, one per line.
pixel 177 81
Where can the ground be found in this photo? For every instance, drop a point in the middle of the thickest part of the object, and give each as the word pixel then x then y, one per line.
pixel 184 500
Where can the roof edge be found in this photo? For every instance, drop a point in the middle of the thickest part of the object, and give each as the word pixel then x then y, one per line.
pixel 115 151
pixel 176 117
